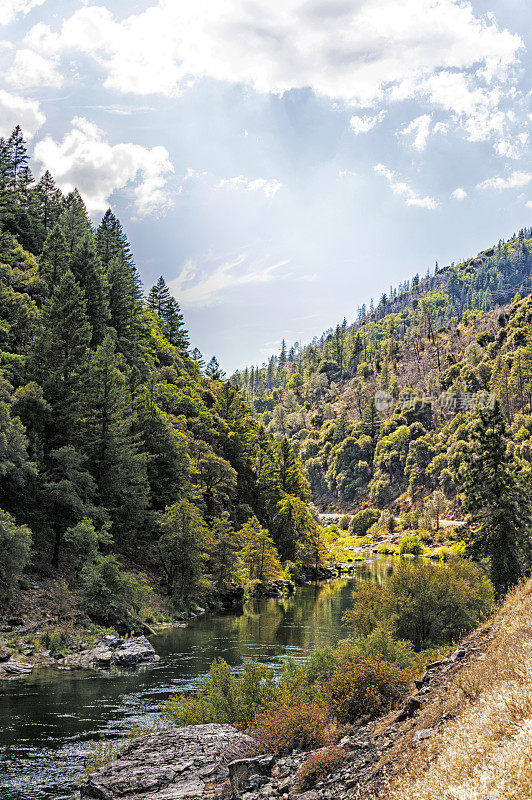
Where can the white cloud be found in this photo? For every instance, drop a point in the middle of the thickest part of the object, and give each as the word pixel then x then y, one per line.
pixel 360 52
pixel 363 124
pixel 346 173
pixel 517 180
pixel 459 194
pixel 86 161
pixel 11 9
pixel 404 190
pixel 199 288
pixel 15 110
pixel 31 69
pixel 269 187
pixel 419 128
pixel 528 203
pixel 513 148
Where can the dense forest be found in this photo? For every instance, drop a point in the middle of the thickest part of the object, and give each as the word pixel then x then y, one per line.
pixel 128 465
pixel 125 463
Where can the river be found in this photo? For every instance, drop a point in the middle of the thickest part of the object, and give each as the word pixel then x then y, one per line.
pixel 48 720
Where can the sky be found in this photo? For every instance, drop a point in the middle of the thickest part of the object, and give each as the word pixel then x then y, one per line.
pixel 280 162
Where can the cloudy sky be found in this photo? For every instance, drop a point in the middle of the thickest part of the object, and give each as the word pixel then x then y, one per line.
pixel 279 162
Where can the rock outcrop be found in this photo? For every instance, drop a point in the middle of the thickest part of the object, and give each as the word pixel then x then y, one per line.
pixel 189 762
pixel 114 652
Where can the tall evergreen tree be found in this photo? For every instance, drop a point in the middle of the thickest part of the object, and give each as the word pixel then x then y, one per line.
pixel 59 356
pixel 111 446
pixel 499 506
pixel 87 270
pixel 55 257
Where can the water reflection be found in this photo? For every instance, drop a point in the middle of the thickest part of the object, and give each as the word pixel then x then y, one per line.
pixel 47 720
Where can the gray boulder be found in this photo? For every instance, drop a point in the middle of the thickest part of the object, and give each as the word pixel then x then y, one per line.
pixel 189 762
pixel 13 667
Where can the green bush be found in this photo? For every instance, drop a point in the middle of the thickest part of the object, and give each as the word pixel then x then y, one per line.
pixel 411 545
pixel 380 645
pixel 111 595
pixel 427 604
pixel 223 697
pixel 344 522
pixel 363 520
pixel 435 605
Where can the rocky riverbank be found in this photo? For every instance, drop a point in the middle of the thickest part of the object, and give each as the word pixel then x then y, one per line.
pixel 217 761
pixel 110 651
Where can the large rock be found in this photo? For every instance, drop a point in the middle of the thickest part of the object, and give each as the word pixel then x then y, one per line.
pixel 112 651
pixel 13 667
pixel 189 762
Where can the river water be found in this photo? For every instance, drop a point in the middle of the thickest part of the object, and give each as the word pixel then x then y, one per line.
pixel 48 720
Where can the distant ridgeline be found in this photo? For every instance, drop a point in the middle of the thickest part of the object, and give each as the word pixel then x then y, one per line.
pixel 433 348
pixel 116 443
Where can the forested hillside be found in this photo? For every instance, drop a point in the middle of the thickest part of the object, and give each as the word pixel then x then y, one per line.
pixel 430 353
pixel 125 465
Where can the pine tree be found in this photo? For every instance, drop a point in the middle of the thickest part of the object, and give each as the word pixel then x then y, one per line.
pixel 18 152
pixel 111 446
pixel 59 356
pixel 291 478
pixel 197 357
pixel 499 506
pixel 87 270
pixel 55 257
pixel 174 327
pixel 74 220
pixel 159 297
pixel 49 201
pixel 214 371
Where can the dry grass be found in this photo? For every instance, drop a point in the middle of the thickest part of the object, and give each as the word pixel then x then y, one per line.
pixel 486 751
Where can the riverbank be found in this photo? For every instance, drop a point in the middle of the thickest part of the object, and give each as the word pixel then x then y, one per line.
pixel 50 720
pixel 34 640
pixel 467 725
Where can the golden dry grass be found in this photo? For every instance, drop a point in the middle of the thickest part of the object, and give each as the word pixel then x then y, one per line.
pixel 485 753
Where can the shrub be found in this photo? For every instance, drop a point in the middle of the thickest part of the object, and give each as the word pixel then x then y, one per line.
pixel 363 520
pixel 292 725
pixel 319 765
pixel 344 522
pixel 15 543
pixel 432 605
pixel 223 697
pixel 411 545
pixel 367 610
pixel 379 644
pixel 110 594
pixel 365 686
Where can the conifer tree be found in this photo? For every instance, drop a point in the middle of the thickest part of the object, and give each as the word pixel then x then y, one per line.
pixel 74 220
pixel 214 371
pixel 109 441
pixel 55 257
pixel 59 356
pixel 499 506
pixel 87 270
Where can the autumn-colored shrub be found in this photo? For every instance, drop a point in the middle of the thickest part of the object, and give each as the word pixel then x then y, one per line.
pixel 292 725
pixel 367 686
pixel 319 765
